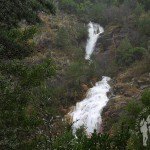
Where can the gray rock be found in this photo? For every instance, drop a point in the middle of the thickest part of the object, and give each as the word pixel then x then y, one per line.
pixel 144 87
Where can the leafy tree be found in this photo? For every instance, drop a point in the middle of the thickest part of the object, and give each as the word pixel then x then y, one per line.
pixel 15 43
pixel 21 118
pixel 11 12
pixel 18 122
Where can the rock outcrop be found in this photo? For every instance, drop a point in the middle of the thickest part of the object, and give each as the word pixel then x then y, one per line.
pixel 124 90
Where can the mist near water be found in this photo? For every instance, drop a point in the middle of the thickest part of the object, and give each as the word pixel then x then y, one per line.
pixel 94 31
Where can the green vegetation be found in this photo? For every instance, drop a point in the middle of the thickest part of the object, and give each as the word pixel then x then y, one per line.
pixel 143 23
pixel 21 117
pixel 30 98
pixel 19 10
pixel 85 10
pixel 146 98
pixel 81 71
pixel 126 54
pixel 124 138
pixel 132 116
pixel 62 40
pixel 68 141
pixel 15 43
pixel 18 121
pixel 82 33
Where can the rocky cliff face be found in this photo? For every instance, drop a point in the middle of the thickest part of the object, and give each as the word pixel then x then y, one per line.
pixel 125 88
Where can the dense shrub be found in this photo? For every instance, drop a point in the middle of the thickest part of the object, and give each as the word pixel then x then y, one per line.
pixel 144 41
pixel 20 115
pixel 11 12
pixel 62 39
pixel 75 6
pixel 138 53
pixel 131 112
pixel 82 33
pixel 143 23
pixel 68 141
pixel 96 13
pixel 85 10
pixel 80 70
pixel 15 43
pixel 123 52
pixel 145 3
pixel 126 54
pixel 68 5
pixel 146 98
pixel 138 10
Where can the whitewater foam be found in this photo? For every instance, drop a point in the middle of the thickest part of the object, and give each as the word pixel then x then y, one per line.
pixel 87 113
pixel 94 31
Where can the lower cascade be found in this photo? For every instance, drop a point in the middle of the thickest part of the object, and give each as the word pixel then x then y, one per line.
pixel 87 113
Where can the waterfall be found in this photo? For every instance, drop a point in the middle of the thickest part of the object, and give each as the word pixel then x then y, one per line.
pixel 87 113
pixel 94 31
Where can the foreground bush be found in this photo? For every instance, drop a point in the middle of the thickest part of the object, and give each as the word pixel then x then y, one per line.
pixel 96 141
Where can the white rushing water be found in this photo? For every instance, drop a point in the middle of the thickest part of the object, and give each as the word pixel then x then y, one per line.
pixel 87 113
pixel 94 31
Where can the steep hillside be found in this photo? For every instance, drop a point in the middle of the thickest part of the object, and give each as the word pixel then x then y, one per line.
pixel 43 73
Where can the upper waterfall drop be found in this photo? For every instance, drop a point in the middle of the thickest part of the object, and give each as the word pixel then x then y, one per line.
pixel 94 31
